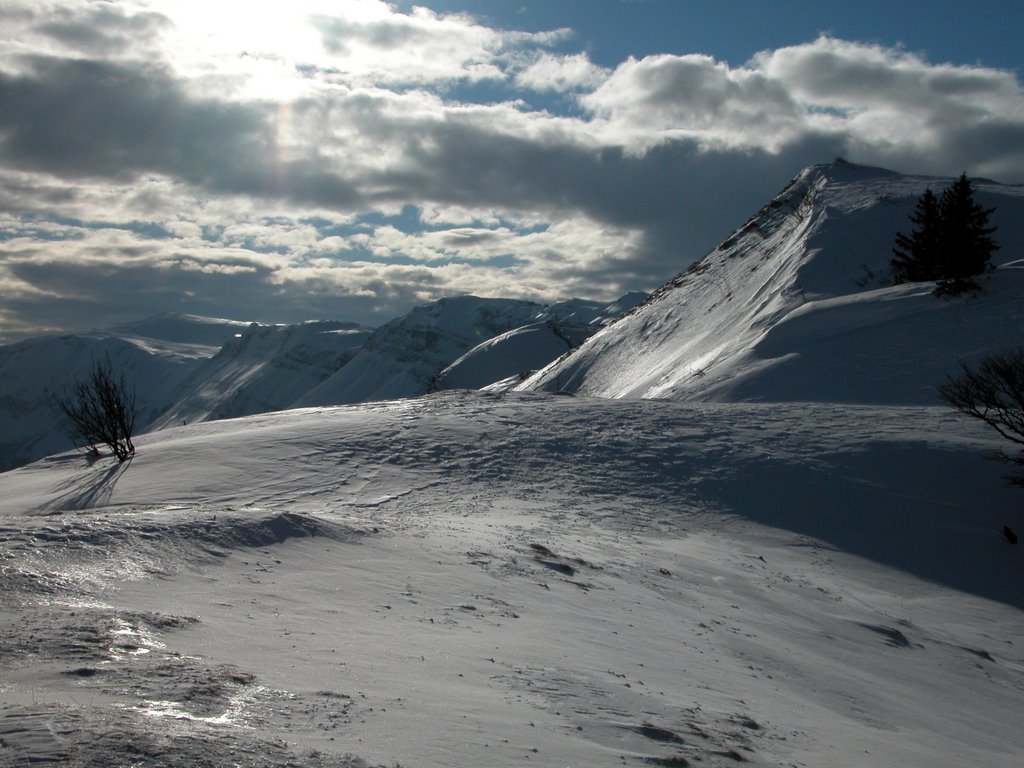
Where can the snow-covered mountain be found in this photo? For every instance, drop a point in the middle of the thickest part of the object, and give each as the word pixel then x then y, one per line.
pixel 266 368
pixel 182 328
pixel 515 353
pixel 510 357
pixel 181 368
pixel 187 368
pixel 794 306
pixel 409 355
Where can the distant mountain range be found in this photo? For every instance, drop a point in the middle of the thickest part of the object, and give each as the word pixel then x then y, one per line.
pixel 187 368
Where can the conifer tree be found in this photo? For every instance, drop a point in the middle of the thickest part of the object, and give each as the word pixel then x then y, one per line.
pixel 951 241
pixel 917 256
pixel 967 244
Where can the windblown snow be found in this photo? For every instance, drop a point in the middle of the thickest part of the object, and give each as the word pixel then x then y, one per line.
pixel 797 558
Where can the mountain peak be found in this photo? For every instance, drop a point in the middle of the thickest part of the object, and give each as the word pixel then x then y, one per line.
pixel 797 303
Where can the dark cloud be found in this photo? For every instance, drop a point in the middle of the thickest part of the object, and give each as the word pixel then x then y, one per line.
pixel 683 198
pixel 99 119
pixel 102 29
pixel 86 118
pixel 99 294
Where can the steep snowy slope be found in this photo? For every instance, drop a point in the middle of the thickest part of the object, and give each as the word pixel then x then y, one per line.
pixel 265 369
pixel 467 580
pixel 792 306
pixel 559 328
pixel 517 352
pixel 580 312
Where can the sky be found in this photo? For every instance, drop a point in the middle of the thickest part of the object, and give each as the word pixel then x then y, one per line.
pixel 350 159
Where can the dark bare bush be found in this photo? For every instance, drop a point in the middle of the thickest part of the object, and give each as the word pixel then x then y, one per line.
pixel 101 411
pixel 993 392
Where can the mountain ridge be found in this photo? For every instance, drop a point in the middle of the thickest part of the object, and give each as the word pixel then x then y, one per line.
pixel 827 235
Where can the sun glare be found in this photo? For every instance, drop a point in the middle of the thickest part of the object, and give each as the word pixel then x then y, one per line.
pixel 263 46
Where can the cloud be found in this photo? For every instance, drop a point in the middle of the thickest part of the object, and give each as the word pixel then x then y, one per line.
pixel 346 159
pixel 91 119
pixel 880 104
pixel 549 72
pixel 102 29
pixel 696 97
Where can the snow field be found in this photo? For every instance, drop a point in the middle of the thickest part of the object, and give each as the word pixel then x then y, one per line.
pixel 479 580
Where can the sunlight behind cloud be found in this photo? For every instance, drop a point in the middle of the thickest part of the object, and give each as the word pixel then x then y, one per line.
pixel 423 145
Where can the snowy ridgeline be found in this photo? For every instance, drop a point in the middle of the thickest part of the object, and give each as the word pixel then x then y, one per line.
pixel 519 579
pixel 187 369
pixel 797 305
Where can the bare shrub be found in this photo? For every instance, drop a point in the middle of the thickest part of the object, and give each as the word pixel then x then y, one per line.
pixel 101 411
pixel 993 392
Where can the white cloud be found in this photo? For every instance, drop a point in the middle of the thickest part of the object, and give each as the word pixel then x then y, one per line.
pixel 884 104
pixel 694 96
pixel 271 165
pixel 549 72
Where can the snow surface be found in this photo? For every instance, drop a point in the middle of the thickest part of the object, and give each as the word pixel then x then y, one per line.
pixel 467 579
pixel 795 305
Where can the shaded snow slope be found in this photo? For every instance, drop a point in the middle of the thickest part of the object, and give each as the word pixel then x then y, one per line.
pixel 156 355
pixel 402 358
pixel 463 342
pixel 175 373
pixel 34 372
pixel 515 353
pixel 474 580
pixel 792 306
pixel 576 312
pixel 182 328
pixel 265 369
